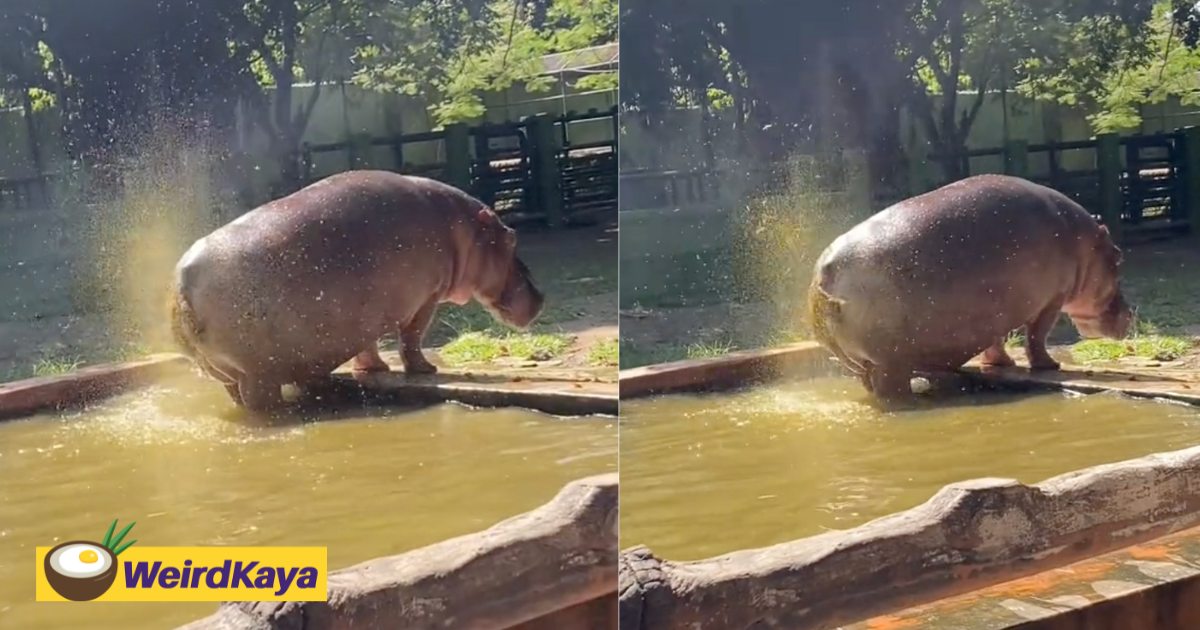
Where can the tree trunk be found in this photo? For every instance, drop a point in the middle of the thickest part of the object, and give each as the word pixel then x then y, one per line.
pixel 31 128
pixel 35 146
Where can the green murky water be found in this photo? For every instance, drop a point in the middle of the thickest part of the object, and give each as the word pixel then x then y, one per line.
pixel 177 460
pixel 708 474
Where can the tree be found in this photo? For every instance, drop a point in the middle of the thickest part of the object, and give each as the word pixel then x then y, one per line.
pixel 105 62
pixel 982 45
pixel 113 66
pixel 1166 66
pixel 843 70
pixel 24 70
pixel 486 52
pixel 279 43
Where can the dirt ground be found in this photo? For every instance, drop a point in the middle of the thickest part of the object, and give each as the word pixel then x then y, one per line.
pixel 576 267
pixel 1161 278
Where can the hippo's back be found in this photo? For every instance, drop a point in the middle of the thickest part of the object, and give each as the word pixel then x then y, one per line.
pixel 949 268
pixel 963 229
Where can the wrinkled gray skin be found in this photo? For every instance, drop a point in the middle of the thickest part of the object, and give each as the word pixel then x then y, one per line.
pixel 293 289
pixel 932 281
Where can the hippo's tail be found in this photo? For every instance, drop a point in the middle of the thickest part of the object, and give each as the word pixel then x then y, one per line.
pixel 185 327
pixel 824 311
pixel 824 315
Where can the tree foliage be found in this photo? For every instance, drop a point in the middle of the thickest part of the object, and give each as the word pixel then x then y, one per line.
pixel 506 46
pixel 844 69
pixel 1167 66
pixel 109 65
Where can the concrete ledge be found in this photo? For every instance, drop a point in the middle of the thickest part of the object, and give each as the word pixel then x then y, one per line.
pixel 970 535
pixel 519 573
pixel 732 370
pixel 568 398
pixel 1136 384
pixel 808 358
pixel 93 384
pixel 86 385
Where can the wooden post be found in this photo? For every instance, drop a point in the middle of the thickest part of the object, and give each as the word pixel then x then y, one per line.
pixel 1108 162
pixel 458 156
pixel 485 183
pixel 547 176
pixel 398 152
pixel 359 148
pixel 1191 178
pixel 1016 158
pixel 306 162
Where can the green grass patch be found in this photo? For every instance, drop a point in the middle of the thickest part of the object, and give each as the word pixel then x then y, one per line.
pixel 708 350
pixel 482 347
pixel 632 356
pixel 1153 347
pixel 53 366
pixel 605 352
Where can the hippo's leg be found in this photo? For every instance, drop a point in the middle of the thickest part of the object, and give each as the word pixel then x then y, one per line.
pixel 369 361
pixel 223 376
pixel 890 383
pixel 997 356
pixel 1036 332
pixel 260 394
pixel 865 378
pixel 412 335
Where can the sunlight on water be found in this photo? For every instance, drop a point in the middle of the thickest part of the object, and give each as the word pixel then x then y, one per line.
pixel 179 411
pixel 182 461
pixel 798 459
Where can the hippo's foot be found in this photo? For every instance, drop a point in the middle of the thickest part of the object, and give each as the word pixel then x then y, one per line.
pixel 261 396
pixel 416 363
pixel 997 357
pixel 369 361
pixel 890 384
pixel 1044 363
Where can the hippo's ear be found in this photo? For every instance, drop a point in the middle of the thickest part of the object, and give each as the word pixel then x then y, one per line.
pixel 487 217
pixel 1109 247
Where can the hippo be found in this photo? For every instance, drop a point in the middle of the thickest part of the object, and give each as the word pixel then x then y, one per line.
pixel 295 288
pixel 932 281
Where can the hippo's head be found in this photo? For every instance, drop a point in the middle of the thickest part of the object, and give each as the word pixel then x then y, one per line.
pixel 505 285
pixel 1100 308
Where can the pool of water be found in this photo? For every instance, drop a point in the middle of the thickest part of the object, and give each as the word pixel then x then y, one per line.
pixel 708 474
pixel 186 465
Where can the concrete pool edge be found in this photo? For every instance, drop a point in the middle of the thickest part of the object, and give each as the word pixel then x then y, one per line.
pixel 552 567
pixel 970 535
pixel 86 385
pixel 92 384
pixel 806 358
pixel 731 370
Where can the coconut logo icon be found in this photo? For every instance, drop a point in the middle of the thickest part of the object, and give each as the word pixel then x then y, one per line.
pixel 81 570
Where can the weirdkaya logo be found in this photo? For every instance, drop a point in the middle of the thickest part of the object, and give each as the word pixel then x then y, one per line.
pixel 85 571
